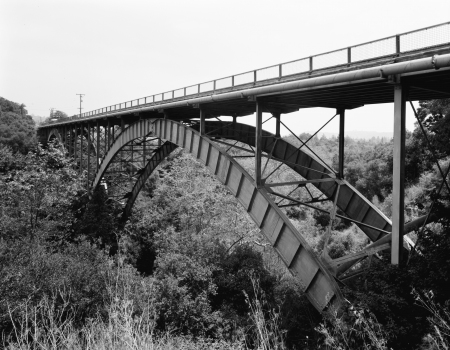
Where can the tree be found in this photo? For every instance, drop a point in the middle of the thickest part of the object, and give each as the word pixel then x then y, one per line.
pixel 17 128
pixel 59 115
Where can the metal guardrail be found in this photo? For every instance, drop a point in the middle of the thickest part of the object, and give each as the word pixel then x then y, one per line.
pixel 395 45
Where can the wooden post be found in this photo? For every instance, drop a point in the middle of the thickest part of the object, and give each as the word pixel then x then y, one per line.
pixel 341 142
pixel 398 188
pixel 202 122
pixel 258 144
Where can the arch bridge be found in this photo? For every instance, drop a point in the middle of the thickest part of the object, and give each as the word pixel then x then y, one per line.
pixel 121 145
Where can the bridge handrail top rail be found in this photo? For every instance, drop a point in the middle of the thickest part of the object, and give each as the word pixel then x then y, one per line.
pixel 436 62
pixel 162 96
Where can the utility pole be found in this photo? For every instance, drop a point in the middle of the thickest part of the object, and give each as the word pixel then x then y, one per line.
pixel 81 100
pixel 21 108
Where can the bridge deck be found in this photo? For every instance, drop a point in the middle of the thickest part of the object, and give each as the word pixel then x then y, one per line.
pixel 362 64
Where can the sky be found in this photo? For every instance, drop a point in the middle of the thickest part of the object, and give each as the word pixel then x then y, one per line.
pixel 114 51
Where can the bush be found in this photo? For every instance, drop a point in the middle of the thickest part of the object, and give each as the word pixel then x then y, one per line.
pixel 31 271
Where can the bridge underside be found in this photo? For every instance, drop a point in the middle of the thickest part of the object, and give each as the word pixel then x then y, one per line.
pixel 123 147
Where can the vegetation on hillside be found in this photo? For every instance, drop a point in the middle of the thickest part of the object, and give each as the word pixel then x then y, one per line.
pixel 190 270
pixel 17 128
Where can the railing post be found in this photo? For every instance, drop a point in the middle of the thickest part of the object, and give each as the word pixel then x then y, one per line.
pixel 341 113
pixel 397 45
pixel 398 188
pixel 310 64
pixel 232 81
pixel 254 76
pixel 258 144
pixel 349 56
pixel 280 70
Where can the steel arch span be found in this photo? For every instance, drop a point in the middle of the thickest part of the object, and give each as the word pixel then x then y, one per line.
pixel 312 274
pixel 356 207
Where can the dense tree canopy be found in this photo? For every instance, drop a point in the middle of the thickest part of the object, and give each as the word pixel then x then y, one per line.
pixel 17 128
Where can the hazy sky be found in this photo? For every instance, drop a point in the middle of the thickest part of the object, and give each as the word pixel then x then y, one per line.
pixel 113 51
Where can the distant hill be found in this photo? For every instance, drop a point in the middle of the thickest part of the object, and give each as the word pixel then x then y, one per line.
pixel 358 134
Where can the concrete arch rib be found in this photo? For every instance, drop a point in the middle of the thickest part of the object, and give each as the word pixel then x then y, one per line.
pixel 314 277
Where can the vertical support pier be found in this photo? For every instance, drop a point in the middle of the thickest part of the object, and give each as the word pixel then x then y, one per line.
pixel 105 132
pixel 341 113
pixel 75 137
pixel 277 117
pixel 398 179
pixel 81 148
pixel 258 144
pixel 108 129
pixel 88 157
pixel 202 122
pixel 97 151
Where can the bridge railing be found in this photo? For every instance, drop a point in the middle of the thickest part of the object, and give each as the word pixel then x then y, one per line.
pixel 392 46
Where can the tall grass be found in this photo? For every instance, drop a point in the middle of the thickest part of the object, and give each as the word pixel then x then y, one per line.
pixel 47 327
pixel 439 337
pixel 49 324
pixel 356 329
pixel 267 334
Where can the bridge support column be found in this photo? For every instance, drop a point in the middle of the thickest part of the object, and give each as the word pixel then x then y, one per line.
pixel 105 129
pixel 88 156
pixel 97 151
pixel 341 113
pixel 81 148
pixel 398 179
pixel 258 144
pixel 277 117
pixel 74 141
pixel 202 122
pixel 108 128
